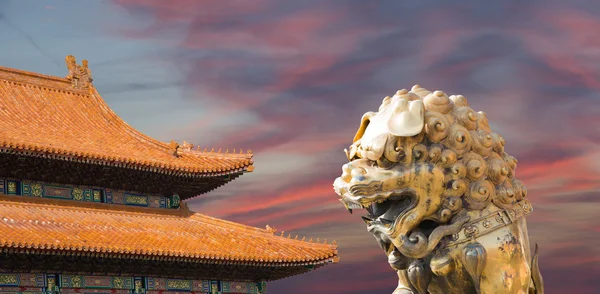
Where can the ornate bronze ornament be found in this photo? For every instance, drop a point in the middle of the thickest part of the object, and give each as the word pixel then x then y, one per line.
pixel 441 197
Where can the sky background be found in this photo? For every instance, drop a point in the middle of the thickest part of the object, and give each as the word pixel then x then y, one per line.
pixel 291 79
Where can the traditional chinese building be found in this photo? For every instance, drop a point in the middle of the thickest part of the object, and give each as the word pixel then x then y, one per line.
pixel 90 205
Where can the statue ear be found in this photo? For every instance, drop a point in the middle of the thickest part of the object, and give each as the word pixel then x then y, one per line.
pixel 364 123
pixel 407 119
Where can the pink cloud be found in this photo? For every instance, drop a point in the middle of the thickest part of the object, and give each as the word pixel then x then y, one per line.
pixel 305 74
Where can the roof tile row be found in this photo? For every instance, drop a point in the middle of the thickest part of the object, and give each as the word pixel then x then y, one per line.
pixel 49 224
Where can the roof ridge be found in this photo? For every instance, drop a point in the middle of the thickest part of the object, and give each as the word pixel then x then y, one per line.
pixel 188 148
pixel 92 92
pixel 39 80
pixel 167 147
pixel 106 110
pixel 34 74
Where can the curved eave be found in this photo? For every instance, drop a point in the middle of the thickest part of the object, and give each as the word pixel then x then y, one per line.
pixel 25 248
pixel 57 154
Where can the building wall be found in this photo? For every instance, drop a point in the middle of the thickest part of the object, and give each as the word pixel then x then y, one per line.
pixel 22 283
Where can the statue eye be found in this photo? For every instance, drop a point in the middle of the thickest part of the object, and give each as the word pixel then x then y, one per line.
pixel 384 163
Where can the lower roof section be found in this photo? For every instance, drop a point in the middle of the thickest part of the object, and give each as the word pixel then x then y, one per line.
pixel 169 237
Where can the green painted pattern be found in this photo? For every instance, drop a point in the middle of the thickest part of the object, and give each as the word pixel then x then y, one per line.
pixel 64 283
pixel 86 194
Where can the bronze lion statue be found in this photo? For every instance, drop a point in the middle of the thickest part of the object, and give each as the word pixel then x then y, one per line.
pixel 441 197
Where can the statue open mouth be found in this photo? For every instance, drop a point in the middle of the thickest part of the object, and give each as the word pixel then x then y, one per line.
pixel 381 220
pixel 385 218
pixel 401 219
pixel 385 213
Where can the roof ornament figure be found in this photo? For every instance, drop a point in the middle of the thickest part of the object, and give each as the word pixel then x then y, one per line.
pixel 173 147
pixel 270 229
pixel 187 146
pixel 79 75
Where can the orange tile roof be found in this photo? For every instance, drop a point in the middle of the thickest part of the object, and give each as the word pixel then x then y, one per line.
pixel 46 115
pixel 54 225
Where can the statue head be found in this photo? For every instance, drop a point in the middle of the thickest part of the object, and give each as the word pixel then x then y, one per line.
pixel 418 164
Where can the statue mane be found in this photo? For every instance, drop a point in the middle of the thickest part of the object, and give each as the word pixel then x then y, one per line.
pixel 457 139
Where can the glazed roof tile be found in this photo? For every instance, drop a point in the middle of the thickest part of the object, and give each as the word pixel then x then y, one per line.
pixel 46 115
pixel 92 228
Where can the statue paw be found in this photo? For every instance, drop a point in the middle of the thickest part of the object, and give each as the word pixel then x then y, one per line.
pixel 402 290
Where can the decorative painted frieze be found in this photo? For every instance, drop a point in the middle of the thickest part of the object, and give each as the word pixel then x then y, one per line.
pixel 66 284
pixel 86 194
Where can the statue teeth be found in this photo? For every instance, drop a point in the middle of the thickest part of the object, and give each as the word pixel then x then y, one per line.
pixel 367 220
pixel 386 221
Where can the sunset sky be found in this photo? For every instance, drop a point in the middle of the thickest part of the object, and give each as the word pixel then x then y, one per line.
pixel 290 80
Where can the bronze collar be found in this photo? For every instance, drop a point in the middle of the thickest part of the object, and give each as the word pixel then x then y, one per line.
pixel 491 222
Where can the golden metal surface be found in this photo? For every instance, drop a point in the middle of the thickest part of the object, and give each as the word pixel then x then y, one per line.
pixel 441 197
